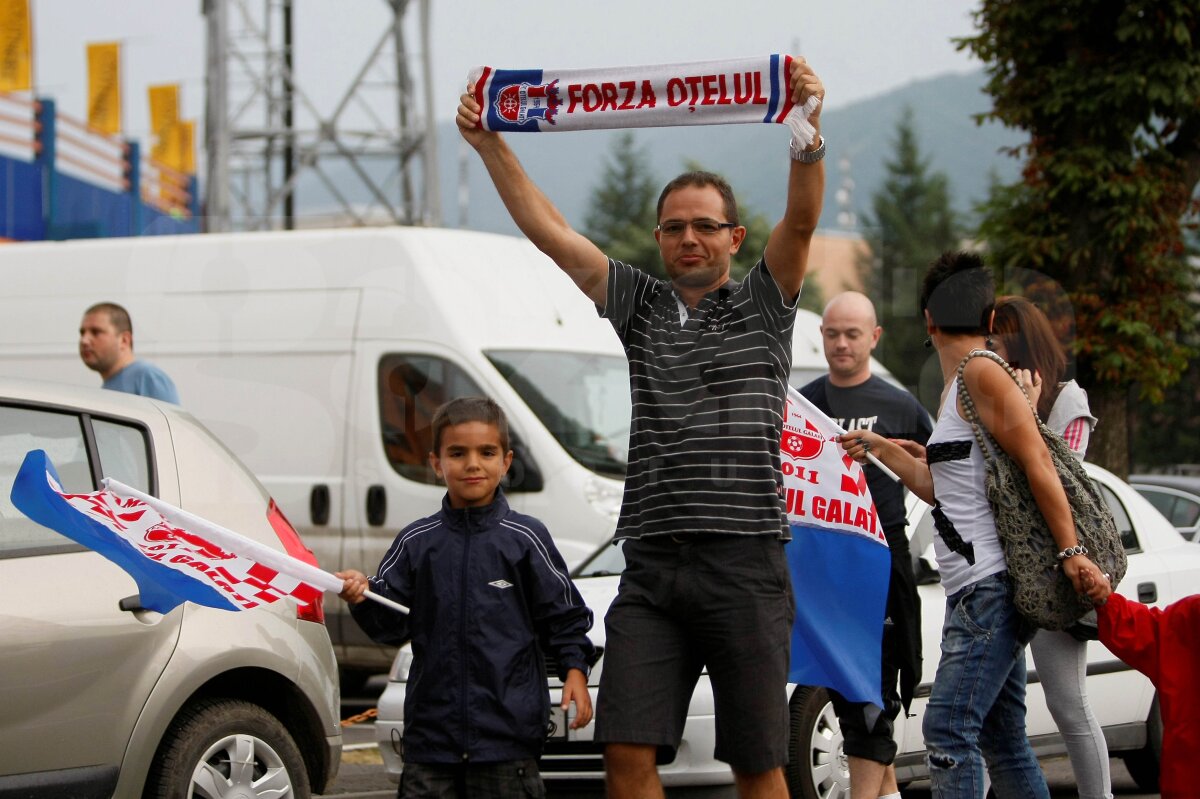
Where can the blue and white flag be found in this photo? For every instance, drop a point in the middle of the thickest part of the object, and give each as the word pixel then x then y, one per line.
pixel 173 556
pixel 839 559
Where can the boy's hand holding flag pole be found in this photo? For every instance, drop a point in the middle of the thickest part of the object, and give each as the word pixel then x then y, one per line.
pixel 174 556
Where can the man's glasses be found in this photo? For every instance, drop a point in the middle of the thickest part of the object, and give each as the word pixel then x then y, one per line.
pixel 703 227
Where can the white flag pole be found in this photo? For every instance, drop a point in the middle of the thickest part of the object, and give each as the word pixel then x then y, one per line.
pixel 840 431
pixel 386 602
pixel 247 547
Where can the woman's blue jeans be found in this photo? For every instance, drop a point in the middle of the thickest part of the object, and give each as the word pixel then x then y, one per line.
pixel 976 710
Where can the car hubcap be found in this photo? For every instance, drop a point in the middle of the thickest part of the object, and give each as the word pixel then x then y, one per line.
pixel 830 769
pixel 241 767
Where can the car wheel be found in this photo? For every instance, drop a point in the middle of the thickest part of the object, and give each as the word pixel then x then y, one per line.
pixel 224 748
pixel 817 768
pixel 1143 764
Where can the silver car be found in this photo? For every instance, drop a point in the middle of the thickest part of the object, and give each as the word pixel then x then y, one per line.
pixel 1176 496
pixel 1162 569
pixel 103 698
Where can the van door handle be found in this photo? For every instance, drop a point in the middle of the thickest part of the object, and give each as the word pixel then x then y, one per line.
pixel 318 505
pixel 1147 593
pixel 376 505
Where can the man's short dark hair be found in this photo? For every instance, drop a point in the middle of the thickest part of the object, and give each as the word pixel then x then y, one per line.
pixel 118 317
pixel 959 294
pixel 469 409
pixel 700 179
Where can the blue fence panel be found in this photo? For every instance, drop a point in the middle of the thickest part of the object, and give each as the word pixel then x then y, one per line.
pixel 20 200
pixel 85 210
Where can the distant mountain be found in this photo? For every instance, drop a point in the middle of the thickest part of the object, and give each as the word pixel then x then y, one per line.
pixel 753 157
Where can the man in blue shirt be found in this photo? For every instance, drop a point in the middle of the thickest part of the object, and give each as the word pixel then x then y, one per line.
pixel 106 346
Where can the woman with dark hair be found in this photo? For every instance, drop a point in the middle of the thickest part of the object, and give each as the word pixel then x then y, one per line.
pixel 976 709
pixel 1025 338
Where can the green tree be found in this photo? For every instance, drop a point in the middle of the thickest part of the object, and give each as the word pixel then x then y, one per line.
pixel 910 224
pixel 622 212
pixel 1107 91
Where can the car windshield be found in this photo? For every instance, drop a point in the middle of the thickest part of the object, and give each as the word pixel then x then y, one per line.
pixel 581 398
pixel 607 561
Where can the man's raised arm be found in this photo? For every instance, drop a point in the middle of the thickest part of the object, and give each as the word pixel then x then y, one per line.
pixel 788 245
pixel 533 212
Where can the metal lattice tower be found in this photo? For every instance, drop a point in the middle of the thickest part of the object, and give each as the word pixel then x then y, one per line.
pixel 264 132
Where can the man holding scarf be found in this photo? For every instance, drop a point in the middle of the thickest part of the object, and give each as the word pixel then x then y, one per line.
pixel 706 583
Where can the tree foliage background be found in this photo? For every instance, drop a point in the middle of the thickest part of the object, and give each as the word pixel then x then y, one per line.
pixel 910 224
pixel 623 213
pixel 1109 93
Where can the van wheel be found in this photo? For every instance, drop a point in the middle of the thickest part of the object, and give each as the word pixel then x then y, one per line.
pixel 1143 763
pixel 817 767
pixel 227 747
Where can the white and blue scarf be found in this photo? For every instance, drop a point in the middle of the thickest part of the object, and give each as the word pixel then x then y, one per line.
pixel 698 93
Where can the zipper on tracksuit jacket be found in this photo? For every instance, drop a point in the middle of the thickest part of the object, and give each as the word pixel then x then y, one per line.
pixel 464 648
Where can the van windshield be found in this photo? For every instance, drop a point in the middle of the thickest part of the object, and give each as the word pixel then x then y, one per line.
pixel 581 398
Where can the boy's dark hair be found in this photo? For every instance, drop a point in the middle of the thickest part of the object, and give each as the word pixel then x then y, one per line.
pixel 700 179
pixel 469 409
pixel 959 294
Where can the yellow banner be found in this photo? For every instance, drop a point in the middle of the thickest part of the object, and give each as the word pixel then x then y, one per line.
pixel 104 87
pixel 164 108
pixel 186 133
pixel 16 46
pixel 177 147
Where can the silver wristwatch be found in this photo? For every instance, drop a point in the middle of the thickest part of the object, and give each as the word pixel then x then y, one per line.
pixel 807 156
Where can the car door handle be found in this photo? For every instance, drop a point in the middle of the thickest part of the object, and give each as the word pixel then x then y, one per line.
pixel 318 505
pixel 376 505
pixel 1147 593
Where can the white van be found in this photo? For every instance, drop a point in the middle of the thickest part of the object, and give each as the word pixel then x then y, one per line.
pixel 319 357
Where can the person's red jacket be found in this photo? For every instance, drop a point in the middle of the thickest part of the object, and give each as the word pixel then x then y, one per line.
pixel 1165 646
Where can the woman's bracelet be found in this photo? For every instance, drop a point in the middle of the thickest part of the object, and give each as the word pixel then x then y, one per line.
pixel 1070 552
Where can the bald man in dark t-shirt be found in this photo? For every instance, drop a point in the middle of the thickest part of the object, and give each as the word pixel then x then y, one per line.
pixel 857 400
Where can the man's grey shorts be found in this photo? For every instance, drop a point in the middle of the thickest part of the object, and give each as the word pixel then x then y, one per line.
pixel 687 602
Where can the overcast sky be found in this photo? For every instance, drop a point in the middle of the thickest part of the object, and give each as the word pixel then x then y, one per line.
pixel 858 47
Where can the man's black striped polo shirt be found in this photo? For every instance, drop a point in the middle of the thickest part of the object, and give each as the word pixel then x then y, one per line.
pixel 708 397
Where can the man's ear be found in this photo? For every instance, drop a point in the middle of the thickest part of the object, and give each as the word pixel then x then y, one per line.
pixel 435 463
pixel 737 236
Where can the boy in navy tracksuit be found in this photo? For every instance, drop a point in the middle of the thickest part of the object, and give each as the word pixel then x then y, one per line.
pixel 488 592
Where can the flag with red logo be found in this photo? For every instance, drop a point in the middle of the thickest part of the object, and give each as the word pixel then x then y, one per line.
pixel 838 556
pixel 173 555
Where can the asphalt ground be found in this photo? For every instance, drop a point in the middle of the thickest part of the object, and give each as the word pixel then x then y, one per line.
pixel 362 775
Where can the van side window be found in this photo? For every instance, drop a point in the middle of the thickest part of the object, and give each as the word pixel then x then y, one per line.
pixel 411 389
pixel 61 436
